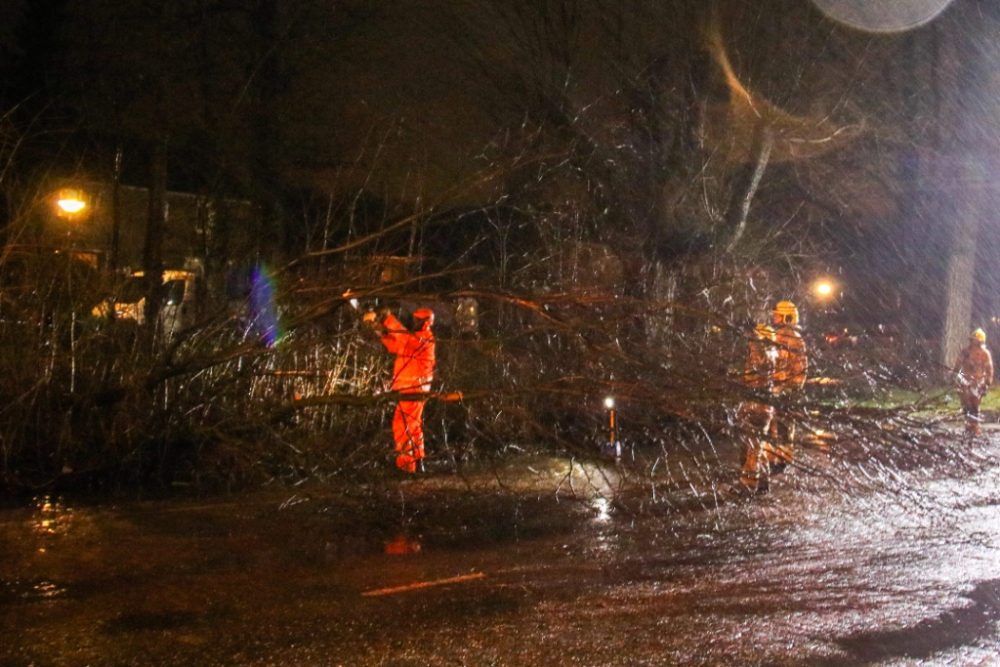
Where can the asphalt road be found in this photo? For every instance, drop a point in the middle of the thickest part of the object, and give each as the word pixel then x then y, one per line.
pixel 856 557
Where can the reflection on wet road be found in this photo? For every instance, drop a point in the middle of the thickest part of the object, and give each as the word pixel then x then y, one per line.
pixel 538 562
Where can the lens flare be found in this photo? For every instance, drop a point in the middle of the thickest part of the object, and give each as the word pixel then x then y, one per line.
pixel 263 308
pixel 882 15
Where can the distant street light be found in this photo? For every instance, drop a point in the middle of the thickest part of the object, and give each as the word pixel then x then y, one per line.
pixel 824 288
pixel 71 205
pixel 70 202
pixel 613 446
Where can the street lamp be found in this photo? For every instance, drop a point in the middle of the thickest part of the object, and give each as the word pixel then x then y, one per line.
pixel 825 292
pixel 823 288
pixel 614 447
pixel 70 202
pixel 72 206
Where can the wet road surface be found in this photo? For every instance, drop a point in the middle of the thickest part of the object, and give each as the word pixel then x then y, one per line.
pixel 540 561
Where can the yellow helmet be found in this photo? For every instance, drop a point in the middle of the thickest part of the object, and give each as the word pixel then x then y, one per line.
pixel 786 312
pixel 979 335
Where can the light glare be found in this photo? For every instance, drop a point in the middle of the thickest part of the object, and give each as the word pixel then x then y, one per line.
pixel 882 15
pixel 71 205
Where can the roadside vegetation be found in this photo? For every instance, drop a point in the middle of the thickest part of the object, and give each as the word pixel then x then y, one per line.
pixel 623 204
pixel 293 388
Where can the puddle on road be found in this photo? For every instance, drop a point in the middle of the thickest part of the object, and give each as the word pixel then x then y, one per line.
pixel 16 590
pixel 52 516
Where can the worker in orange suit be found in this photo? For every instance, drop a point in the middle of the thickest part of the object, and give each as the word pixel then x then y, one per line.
pixel 974 375
pixel 754 413
pixel 412 374
pixel 790 366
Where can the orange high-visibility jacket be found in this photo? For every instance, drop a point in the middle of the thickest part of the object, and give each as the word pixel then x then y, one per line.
pixel 413 370
pixel 975 369
pixel 792 363
pixel 761 355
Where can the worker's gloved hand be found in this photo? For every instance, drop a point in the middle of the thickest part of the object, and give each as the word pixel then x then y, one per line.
pixel 369 317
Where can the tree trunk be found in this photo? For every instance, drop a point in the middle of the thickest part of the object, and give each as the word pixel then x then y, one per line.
pixel 746 186
pixel 969 60
pixel 961 270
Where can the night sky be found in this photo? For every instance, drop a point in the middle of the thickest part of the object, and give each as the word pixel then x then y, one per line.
pixel 416 102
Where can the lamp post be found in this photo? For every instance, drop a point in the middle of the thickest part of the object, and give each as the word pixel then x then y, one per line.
pixel 70 204
pixel 614 447
pixel 825 291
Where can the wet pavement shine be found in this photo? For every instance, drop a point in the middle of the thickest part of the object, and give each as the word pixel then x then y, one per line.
pixel 852 559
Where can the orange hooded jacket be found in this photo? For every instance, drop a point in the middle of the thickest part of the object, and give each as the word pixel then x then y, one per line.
pixel 413 369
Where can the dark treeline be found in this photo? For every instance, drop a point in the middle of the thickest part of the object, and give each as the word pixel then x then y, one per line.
pixel 611 191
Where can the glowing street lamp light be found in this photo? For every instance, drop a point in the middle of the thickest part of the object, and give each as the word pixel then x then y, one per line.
pixel 70 202
pixel 824 289
pixel 71 205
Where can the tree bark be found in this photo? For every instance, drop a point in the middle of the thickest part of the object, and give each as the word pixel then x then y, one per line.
pixel 962 268
pixel 969 60
pixel 746 186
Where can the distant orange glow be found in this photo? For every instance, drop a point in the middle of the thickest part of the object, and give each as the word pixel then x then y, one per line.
pixel 70 202
pixel 402 546
pixel 424 584
pixel 824 288
pixel 71 205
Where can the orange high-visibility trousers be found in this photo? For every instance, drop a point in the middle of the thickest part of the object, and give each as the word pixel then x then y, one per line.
pixel 408 432
pixel 970 399
pixel 755 422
